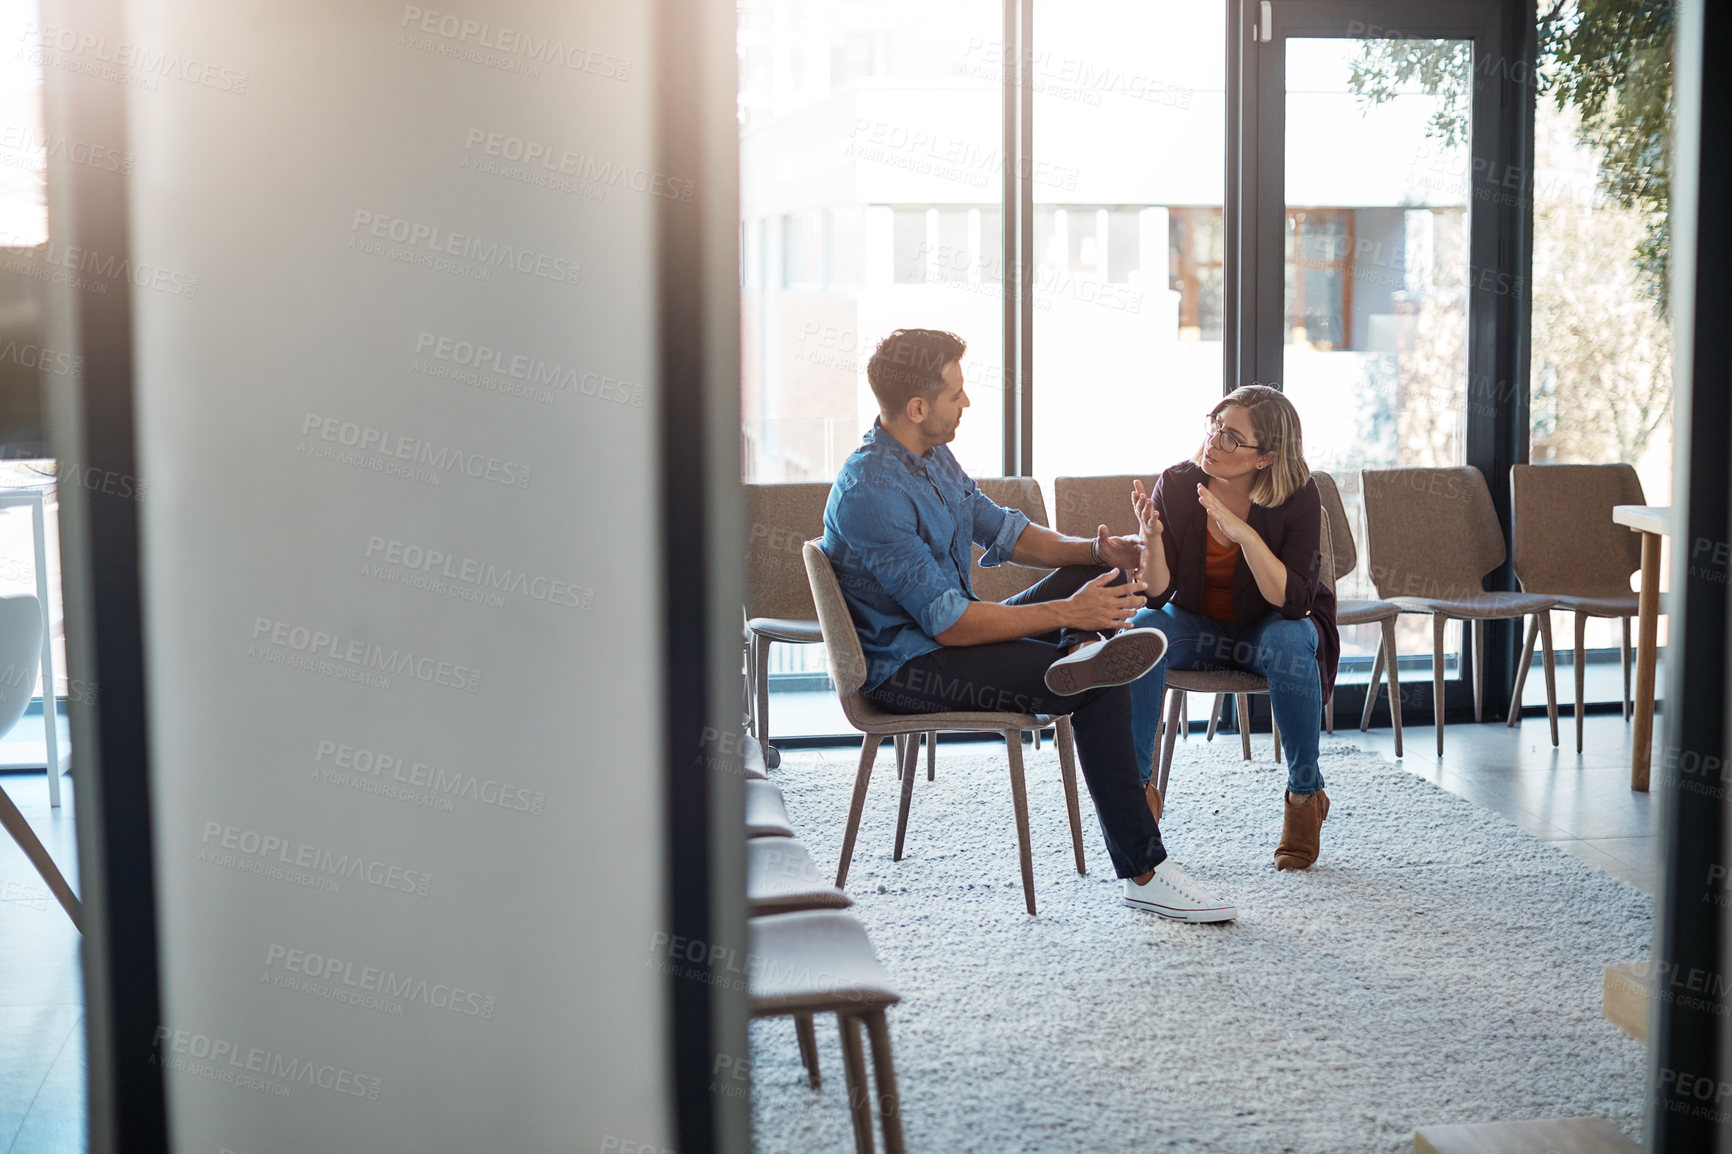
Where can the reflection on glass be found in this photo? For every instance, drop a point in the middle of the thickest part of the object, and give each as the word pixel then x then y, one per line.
pixel 1376 273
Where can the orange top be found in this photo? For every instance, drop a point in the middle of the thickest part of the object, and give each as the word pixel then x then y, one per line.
pixel 1219 561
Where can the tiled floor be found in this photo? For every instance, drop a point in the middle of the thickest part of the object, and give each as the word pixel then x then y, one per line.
pixel 41 985
pixel 1582 803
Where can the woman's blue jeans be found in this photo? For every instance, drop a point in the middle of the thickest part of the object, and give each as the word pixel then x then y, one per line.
pixel 1281 649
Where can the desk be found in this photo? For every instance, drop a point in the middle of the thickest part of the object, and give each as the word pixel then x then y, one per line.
pixel 50 711
pixel 1652 522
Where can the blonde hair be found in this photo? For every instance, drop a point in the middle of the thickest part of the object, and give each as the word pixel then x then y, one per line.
pixel 1275 422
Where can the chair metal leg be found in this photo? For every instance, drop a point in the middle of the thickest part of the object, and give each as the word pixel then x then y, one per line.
pixel 1394 676
pixel 1215 716
pixel 857 805
pixel 1478 670
pixel 1175 702
pixel 1581 671
pixel 1065 738
pixel 884 1073
pixel 1545 617
pixel 808 1048
pixel 1438 621
pixel 859 1093
pixel 1242 708
pixel 910 771
pixel 1376 680
pixel 1019 801
pixel 931 756
pixel 1515 697
pixel 761 681
pixel 1624 657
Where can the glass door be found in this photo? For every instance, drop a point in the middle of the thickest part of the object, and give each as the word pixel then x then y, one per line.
pixel 1379 227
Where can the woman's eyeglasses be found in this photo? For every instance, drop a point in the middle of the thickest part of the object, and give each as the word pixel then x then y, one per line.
pixel 1224 438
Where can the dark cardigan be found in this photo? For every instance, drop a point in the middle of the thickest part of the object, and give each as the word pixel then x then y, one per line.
pixel 1293 533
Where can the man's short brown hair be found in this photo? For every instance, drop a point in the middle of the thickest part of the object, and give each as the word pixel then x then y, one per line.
pixel 910 363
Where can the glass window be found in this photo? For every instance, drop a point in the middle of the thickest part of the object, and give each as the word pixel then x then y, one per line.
pixel 1601 359
pixel 910 247
pixel 1129 121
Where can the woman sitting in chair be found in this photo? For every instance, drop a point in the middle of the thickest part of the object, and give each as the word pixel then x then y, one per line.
pixel 1232 560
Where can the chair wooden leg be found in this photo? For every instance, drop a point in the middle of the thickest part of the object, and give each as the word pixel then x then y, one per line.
pixel 1164 767
pixel 1275 732
pixel 1545 617
pixel 1515 697
pixel 1394 676
pixel 1329 715
pixel 761 683
pixel 1065 738
pixel 1376 680
pixel 884 1073
pixel 1215 716
pixel 1037 741
pixel 1019 802
pixel 1438 622
pixel 931 756
pixel 1242 703
pixel 859 1093
pixel 13 822
pixel 901 743
pixel 1581 671
pixel 910 771
pixel 857 805
pixel 808 1048
pixel 1479 669
pixel 1624 658
pixel 1185 717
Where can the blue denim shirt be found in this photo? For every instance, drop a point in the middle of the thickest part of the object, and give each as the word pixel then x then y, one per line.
pixel 898 529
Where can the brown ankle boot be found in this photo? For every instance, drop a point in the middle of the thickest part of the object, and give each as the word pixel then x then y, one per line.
pixel 1153 797
pixel 1301 831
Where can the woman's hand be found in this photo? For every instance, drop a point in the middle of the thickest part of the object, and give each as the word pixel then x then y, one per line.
pixel 1231 525
pixel 1148 519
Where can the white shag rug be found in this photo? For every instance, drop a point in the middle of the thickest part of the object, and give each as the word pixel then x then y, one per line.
pixel 1437 965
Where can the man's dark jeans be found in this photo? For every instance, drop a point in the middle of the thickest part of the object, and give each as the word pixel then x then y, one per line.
pixel 1010 677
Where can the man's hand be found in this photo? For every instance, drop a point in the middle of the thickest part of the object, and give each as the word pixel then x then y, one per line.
pixel 1120 552
pixel 1100 605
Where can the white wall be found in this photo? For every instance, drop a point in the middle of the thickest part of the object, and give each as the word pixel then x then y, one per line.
pixel 298 413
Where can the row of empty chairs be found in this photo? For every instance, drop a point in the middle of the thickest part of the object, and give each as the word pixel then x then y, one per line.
pixel 811 957
pixel 1433 536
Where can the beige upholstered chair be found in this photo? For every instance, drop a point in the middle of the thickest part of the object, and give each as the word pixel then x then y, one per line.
pixel 782 878
pixel 20 646
pixel 778 599
pixel 1566 545
pixel 1240 683
pixel 1432 536
pixel 848 671
pixel 1083 505
pixel 822 962
pixel 766 815
pixel 1355 611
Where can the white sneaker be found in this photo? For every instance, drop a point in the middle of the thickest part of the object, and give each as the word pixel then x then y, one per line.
pixel 1119 660
pixel 1175 894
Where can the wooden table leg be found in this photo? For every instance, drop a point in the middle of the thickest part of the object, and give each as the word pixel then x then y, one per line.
pixel 13 822
pixel 1648 638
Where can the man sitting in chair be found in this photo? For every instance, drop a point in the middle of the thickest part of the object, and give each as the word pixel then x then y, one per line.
pixel 898 529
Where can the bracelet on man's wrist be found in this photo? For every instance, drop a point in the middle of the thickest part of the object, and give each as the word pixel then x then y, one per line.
pixel 1095 548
